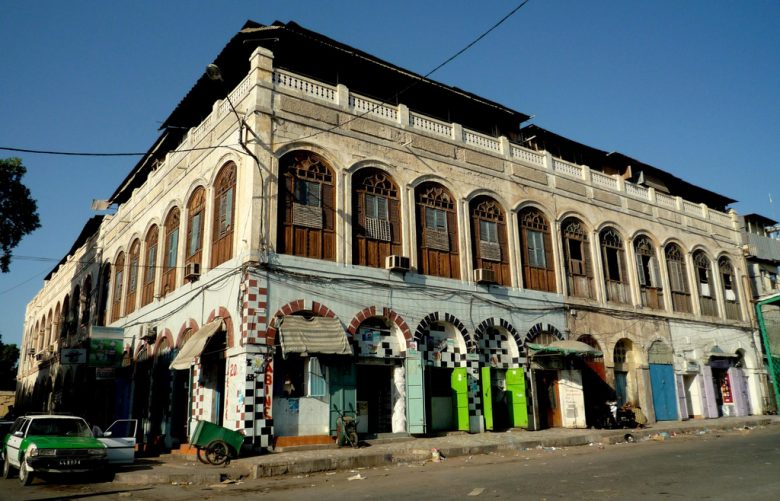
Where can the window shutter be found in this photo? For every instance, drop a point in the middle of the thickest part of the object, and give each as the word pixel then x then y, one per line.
pixel 548 258
pixel 655 273
pixel 395 221
pixel 640 270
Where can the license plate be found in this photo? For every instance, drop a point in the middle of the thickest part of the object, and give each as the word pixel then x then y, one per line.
pixel 70 462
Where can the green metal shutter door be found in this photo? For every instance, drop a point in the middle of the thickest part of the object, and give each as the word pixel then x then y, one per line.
pixel 460 398
pixel 343 392
pixel 487 397
pixel 415 395
pixel 518 406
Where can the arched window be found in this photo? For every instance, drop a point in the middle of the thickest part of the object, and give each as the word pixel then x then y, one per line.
pixel 437 231
pixel 105 284
pixel 65 327
pixel 376 222
pixel 730 296
pixel 150 268
pixel 87 303
pixel 307 201
pixel 196 209
pixel 224 214
pixel 678 278
pixel 171 252
pixel 650 288
pixel 538 266
pixel 614 260
pixel 132 276
pixel 75 307
pixel 706 285
pixel 576 250
pixel 488 238
pixel 119 275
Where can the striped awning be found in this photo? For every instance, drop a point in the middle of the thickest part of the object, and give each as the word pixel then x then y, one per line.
pixel 194 345
pixel 321 335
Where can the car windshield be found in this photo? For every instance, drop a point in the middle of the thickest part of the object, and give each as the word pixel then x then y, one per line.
pixel 59 427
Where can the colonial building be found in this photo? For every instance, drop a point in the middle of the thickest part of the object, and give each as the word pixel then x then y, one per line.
pixel 318 232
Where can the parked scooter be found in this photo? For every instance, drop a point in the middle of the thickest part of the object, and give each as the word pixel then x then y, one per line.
pixel 346 429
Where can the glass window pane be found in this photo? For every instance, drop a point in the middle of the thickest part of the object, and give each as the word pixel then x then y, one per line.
pixel 371 209
pixel 195 240
pixel 173 243
pixel 536 257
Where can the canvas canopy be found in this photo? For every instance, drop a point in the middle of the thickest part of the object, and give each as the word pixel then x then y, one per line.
pixel 322 335
pixel 565 348
pixel 194 345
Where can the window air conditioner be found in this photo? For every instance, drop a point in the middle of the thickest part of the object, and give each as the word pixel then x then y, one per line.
pixel 484 276
pixel 192 271
pixel 397 263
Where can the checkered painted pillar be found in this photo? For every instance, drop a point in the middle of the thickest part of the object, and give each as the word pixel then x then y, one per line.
pixel 475 397
pixel 197 393
pixel 253 410
pixel 254 310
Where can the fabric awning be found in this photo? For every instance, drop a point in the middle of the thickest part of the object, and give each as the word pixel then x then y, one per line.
pixel 318 335
pixel 194 345
pixel 565 348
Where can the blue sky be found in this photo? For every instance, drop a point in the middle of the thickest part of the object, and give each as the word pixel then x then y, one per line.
pixel 691 87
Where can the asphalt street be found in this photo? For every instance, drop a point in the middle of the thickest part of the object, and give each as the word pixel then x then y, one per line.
pixel 720 465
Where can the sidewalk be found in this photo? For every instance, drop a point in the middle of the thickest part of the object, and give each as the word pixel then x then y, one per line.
pixel 169 469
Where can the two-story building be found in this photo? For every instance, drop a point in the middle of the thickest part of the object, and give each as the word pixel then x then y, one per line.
pixel 318 231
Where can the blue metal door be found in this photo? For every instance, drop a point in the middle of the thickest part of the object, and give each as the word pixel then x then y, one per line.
pixel 664 395
pixel 620 387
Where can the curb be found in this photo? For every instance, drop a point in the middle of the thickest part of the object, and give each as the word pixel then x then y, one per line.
pixel 185 473
pixel 365 460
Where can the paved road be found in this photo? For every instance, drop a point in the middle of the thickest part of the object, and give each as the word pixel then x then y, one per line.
pixel 723 465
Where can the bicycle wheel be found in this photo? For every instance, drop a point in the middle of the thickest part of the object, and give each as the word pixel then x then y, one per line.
pixel 217 452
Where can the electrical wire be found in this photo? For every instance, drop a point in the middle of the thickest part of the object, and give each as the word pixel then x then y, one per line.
pixel 340 125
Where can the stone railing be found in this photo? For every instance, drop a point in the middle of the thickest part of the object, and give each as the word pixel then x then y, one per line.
pixel 364 106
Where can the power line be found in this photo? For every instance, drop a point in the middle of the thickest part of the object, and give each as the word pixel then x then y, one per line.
pixel 370 110
pixel 93 154
pixel 413 84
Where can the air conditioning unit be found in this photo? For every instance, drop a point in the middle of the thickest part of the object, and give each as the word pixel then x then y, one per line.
pixel 397 263
pixel 192 271
pixel 484 276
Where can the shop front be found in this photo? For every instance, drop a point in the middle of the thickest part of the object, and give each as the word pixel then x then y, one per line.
pixel 315 379
pixel 556 375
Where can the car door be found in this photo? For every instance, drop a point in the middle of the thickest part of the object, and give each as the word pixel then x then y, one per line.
pixel 14 443
pixel 119 439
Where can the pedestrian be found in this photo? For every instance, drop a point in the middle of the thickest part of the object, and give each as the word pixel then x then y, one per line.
pixel 10 415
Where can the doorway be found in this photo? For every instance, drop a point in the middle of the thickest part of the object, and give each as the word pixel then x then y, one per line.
pixel 621 387
pixel 549 408
pixel 447 405
pixel 374 398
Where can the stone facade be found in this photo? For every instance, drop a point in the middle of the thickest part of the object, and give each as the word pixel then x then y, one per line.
pixel 477 326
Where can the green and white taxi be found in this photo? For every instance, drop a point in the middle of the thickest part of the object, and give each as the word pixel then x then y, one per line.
pixel 51 444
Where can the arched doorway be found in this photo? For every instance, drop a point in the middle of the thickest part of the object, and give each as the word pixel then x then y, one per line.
pixel 380 348
pixel 502 380
pixel 623 361
pixel 662 381
pixel 446 378
pixel 597 391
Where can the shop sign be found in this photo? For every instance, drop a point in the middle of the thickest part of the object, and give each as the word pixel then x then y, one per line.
pixel 106 346
pixel 103 373
pixel 73 356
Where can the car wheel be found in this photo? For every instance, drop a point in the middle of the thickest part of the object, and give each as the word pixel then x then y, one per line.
pixel 8 470
pixel 25 475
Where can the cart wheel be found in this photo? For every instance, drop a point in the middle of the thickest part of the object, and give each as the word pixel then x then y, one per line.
pixel 217 452
pixel 202 456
